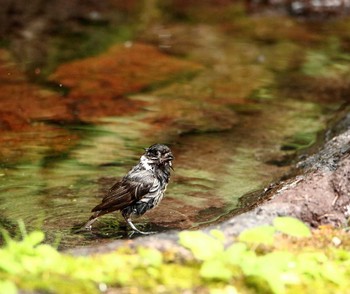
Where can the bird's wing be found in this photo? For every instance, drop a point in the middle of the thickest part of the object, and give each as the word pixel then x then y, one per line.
pixel 126 192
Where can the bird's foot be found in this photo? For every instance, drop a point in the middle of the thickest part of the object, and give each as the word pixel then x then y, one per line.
pixel 133 232
pixel 82 229
pixel 88 225
pixel 136 230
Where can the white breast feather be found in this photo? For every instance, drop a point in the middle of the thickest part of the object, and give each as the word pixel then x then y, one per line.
pixel 144 162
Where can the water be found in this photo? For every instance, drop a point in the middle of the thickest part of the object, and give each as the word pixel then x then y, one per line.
pixel 234 126
pixel 212 171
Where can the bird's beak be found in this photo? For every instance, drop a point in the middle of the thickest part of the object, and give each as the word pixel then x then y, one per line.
pixel 168 158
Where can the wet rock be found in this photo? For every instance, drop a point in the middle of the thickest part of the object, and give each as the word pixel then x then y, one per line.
pixel 319 196
pixel 329 157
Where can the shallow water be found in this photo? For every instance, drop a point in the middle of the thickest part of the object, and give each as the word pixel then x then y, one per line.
pixel 234 126
pixel 212 171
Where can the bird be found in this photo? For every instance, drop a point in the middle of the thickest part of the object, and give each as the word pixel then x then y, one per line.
pixel 140 190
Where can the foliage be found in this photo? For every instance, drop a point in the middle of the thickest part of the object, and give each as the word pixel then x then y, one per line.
pixel 291 226
pixel 255 262
pixel 272 272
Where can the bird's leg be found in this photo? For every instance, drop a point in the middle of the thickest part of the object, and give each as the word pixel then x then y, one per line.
pixel 128 220
pixel 127 213
pixel 88 225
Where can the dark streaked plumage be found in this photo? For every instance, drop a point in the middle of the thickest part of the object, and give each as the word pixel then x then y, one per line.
pixel 141 189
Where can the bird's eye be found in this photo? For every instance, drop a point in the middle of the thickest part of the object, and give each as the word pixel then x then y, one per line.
pixel 152 154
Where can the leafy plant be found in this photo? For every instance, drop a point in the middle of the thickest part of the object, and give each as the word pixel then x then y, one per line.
pixel 259 235
pixel 291 226
pixel 218 265
pixel 195 241
pixel 274 271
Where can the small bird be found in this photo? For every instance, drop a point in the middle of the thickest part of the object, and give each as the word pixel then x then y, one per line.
pixel 141 189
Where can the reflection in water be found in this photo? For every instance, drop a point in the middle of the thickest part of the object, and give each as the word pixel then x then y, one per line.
pixel 212 171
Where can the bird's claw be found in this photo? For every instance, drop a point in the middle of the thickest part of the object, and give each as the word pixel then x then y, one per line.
pixel 131 233
pixel 136 230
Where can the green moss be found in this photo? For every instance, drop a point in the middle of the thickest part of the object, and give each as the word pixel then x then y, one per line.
pixel 30 265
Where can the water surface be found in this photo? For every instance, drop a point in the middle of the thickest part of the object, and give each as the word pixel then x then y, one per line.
pixel 233 111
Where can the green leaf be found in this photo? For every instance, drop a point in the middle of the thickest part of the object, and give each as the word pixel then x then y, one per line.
pixel 291 226
pixel 215 269
pixel 8 263
pixel 218 235
pixel 235 254
pixel 6 236
pixel 273 268
pixel 34 238
pixel 8 287
pixel 202 245
pixel 22 228
pixel 150 257
pixel 228 289
pixel 258 235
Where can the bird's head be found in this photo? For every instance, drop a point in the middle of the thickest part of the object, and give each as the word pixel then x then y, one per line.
pixel 159 154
